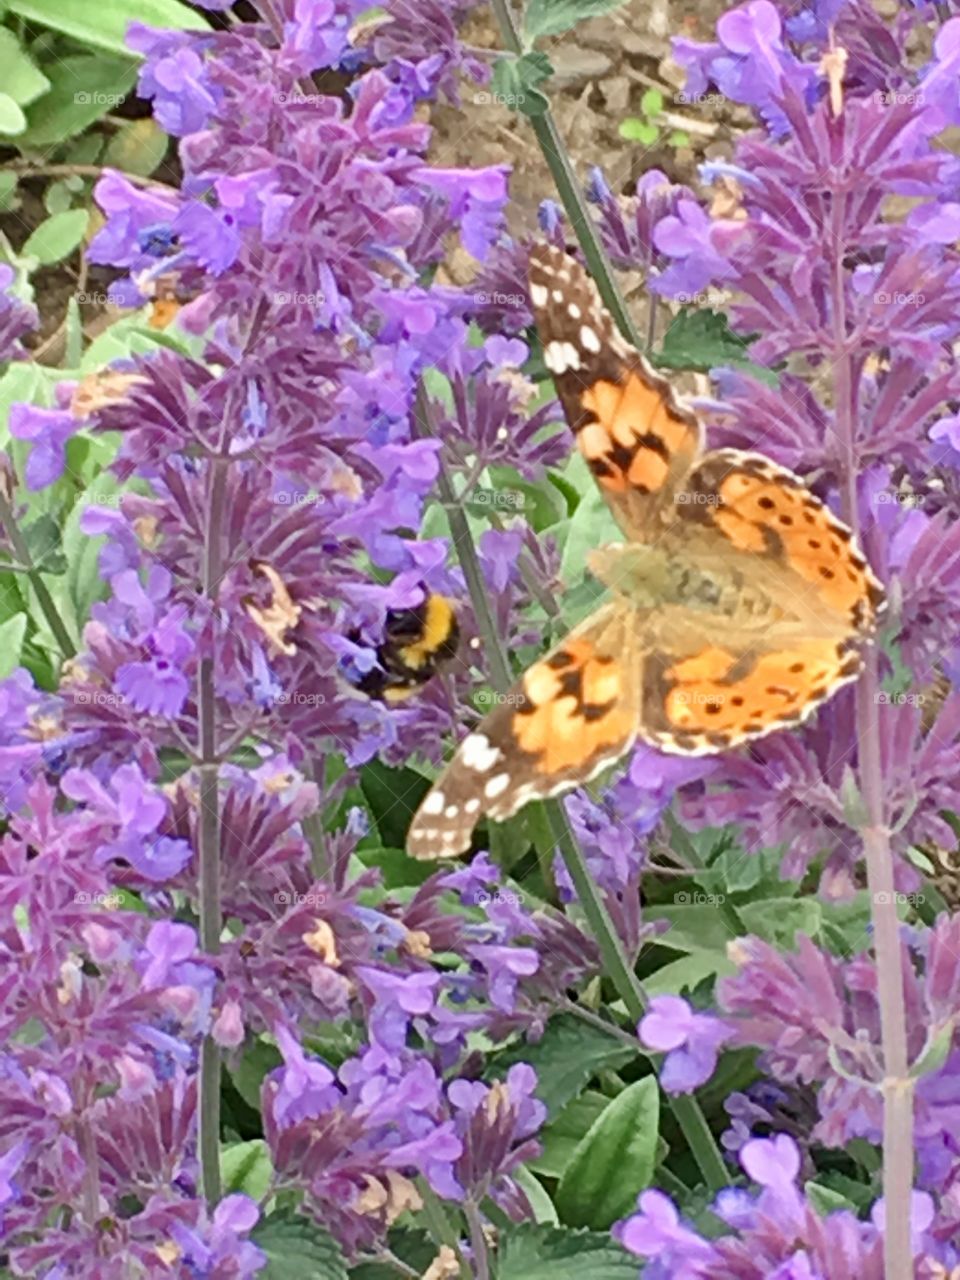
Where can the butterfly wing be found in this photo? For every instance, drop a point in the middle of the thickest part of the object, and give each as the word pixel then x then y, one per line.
pixel 637 439
pixel 572 713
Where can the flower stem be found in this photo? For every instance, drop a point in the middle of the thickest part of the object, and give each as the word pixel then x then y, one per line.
pixel 478 1241
pixel 617 966
pixel 897 1085
pixel 211 912
pixel 558 160
pixel 29 569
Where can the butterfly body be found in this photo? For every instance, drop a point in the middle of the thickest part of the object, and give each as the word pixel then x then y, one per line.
pixel 738 602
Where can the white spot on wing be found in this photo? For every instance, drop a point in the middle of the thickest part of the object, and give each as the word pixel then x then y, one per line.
pixel 588 339
pixel 539 295
pixel 434 802
pixel 477 753
pixel 496 786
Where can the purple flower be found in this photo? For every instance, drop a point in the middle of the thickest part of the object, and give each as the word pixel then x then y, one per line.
pixel 397 999
pixel 48 431
pixel 16 318
pixel 690 1040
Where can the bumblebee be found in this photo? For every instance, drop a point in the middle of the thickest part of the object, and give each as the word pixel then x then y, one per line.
pixel 416 643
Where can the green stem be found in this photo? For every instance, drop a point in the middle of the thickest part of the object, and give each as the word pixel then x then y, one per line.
pixel 568 188
pixel 29 568
pixel 617 966
pixel 478 1241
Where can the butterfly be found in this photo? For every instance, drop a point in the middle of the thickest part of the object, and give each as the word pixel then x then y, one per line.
pixel 738 602
pixel 416 643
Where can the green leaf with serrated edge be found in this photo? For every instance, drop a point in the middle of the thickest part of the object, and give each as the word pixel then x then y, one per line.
pixel 779 920
pixel 701 339
pixel 12 634
pixel 614 1161
pixel 550 17
pixel 565 1058
pixel 12 119
pixel 515 83
pixel 296 1246
pixel 687 973
pixel 104 23
pixel 246 1167
pixel 550 1253
pixel 560 1139
pixel 23 80
pixel 84 88
pixel 543 1207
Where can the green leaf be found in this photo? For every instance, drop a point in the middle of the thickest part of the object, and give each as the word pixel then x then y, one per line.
pixel 139 147
pixel 57 236
pixel 687 973
pixel 615 1160
pixel 694 928
pixel 651 104
pixel 393 796
pixel 12 633
pixel 104 22
pixel 779 920
pixel 544 1253
pixel 246 1167
pixel 256 1063
pixel 8 191
pixel 295 1246
pixel 550 17
pixel 85 88
pixel 560 1139
pixel 825 1200
pixel 22 78
pixel 701 339
pixel 565 1057
pixel 515 83
pixel 590 526
pixel 12 119
pixel 44 542
pixel 633 129
pixel 543 1207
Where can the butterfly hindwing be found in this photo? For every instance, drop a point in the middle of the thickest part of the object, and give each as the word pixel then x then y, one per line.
pixel 572 713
